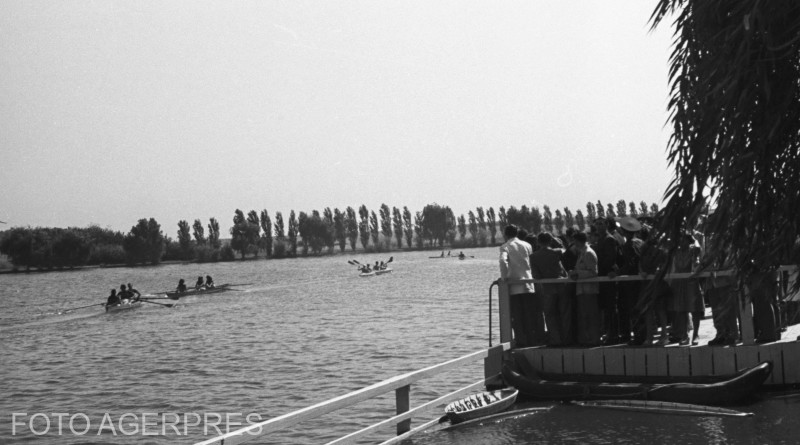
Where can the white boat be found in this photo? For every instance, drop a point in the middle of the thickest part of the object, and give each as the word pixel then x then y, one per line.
pixel 366 274
pixel 480 405
pixel 383 271
pixel 124 306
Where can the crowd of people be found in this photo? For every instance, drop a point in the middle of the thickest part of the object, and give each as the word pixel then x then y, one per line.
pixel 125 295
pixel 635 312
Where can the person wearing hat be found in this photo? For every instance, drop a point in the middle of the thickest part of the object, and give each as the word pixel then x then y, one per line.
pixel 556 303
pixel 629 291
pixel 686 294
pixel 608 252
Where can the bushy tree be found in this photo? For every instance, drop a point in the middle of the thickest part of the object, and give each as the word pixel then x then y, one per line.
pixel 266 230
pixel 199 233
pixel 622 208
pixel 462 227
pixel 363 226
pixel 244 232
pixel 418 229
pixel 601 212
pixel 548 219
pixel 213 233
pixel 386 223
pixel 491 221
pixel 374 228
pixel 610 213
pixel 144 242
pixel 292 233
pixel 438 223
pixel 591 214
pixel 558 222
pixel 339 228
pixel 580 221
pixel 632 211
pixel 351 223
pixel 408 226
pixel 280 233
pixel 397 218
pixel 473 226
pixel 327 219
pixel 184 240
pixel 569 219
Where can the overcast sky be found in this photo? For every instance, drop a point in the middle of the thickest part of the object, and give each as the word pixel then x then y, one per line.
pixel 112 111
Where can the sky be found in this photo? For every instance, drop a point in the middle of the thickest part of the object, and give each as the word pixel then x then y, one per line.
pixel 113 111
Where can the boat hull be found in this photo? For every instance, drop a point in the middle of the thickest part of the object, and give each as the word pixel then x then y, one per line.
pixel 719 393
pixel 384 271
pixel 123 307
pixel 190 292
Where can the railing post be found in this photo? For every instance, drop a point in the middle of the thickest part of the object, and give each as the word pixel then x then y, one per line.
pixel 746 317
pixel 493 366
pixel 402 397
pixel 504 311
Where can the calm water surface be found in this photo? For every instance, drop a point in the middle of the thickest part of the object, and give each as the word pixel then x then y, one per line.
pixel 300 332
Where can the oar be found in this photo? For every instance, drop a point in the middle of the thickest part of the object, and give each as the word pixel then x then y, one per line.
pixel 356 262
pixel 81 307
pixel 153 302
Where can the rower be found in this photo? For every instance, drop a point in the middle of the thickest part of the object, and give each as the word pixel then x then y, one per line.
pixel 123 294
pixel 133 291
pixel 113 299
pixel 181 286
pixel 199 284
pixel 209 282
pixel 461 255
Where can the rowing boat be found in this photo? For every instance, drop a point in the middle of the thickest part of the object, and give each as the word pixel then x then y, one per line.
pixel 651 406
pixel 724 392
pixel 366 274
pixel 202 291
pixel 480 405
pixel 383 271
pixel 124 306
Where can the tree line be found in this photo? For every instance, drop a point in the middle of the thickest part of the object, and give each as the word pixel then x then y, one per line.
pixel 303 234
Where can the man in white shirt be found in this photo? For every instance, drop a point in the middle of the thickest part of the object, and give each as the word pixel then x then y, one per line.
pixel 526 322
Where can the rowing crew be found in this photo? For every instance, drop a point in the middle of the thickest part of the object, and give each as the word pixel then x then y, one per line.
pixel 199 285
pixel 124 296
pixel 378 266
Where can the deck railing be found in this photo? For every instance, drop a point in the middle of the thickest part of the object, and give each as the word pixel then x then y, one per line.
pixel 400 384
pixel 745 308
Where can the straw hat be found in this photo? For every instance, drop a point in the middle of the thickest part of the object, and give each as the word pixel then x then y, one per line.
pixel 630 224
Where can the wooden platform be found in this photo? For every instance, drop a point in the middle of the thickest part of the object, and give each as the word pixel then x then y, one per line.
pixel 674 360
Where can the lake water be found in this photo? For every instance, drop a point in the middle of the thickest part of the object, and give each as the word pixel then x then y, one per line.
pixel 297 333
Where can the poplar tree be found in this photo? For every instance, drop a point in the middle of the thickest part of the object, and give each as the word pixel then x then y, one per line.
pixel 398 226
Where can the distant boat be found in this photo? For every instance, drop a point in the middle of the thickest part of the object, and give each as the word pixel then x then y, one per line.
pixel 202 291
pixel 124 306
pixel 383 271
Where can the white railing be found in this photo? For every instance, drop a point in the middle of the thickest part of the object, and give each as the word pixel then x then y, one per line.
pixel 401 384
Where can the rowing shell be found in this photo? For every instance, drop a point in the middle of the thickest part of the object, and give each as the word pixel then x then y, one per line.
pixel 124 306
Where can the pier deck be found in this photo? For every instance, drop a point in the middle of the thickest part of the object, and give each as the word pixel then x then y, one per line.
pixel 675 360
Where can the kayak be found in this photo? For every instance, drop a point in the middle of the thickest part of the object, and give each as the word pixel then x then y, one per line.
pixel 366 274
pixel 381 272
pixel 124 306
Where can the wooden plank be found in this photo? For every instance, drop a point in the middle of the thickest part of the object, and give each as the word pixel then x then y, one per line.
pixel 678 359
pixel 701 360
pixel 551 359
pixel 749 356
pixel 504 309
pixel 573 361
pixel 657 361
pixel 724 360
pixel 635 361
pixel 791 362
pixel 593 361
pixel 772 352
pixel 402 400
pixel 614 360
